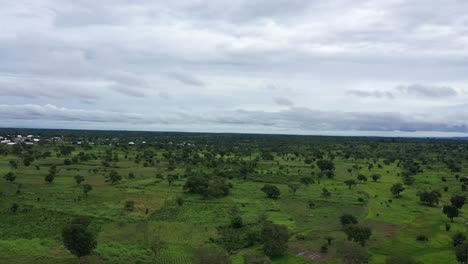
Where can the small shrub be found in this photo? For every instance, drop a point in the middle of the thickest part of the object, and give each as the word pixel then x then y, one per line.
pixel 14 207
pixel 300 237
pixel 180 201
pixel 324 248
pixel 130 205
pixel 422 238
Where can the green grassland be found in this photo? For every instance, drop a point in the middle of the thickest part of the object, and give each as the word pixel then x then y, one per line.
pixel 33 233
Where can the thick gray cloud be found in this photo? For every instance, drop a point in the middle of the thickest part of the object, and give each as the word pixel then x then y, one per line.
pixel 344 58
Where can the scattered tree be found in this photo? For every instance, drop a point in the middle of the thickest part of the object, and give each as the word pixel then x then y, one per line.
pixel 14 207
pixel 429 198
pixel 271 191
pixel 450 211
pixel 207 186
pixel 10 176
pixel 87 188
pixel 130 205
pixel 350 183
pixel 49 178
pixel 461 252
pixel 362 178
pixel 348 219
pixel 358 234
pixel 275 239
pixel 180 201
pixel 236 221
pixel 78 240
pixel 325 192
pixel 293 187
pixel 114 177
pixel 458 201
pixel 376 177
pixel 458 239
pixel 79 179
pixel 306 180
pixel 396 189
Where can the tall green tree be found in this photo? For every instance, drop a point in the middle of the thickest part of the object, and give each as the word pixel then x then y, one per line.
pixel 450 211
pixel 78 240
pixel 275 239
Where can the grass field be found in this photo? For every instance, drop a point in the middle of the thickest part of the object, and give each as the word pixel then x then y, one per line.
pixel 33 233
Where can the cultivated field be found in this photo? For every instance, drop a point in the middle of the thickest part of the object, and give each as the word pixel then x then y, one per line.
pixel 148 216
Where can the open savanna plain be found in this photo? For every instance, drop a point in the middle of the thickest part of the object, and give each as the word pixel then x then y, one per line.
pixel 148 214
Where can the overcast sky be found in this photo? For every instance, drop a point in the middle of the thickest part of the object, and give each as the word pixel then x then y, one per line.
pixel 343 67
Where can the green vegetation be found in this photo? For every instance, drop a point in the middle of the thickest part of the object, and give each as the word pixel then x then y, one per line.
pixel 231 198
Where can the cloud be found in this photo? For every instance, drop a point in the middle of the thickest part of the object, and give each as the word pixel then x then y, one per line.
pixel 55 113
pixel 305 119
pixel 32 88
pixel 186 79
pixel 128 83
pixel 283 101
pixel 298 119
pixel 427 91
pixel 127 90
pixel 414 90
pixel 377 94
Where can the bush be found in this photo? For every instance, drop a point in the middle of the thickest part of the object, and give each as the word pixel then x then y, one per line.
pixel 207 186
pixel 180 201
pixel 458 239
pixel 130 205
pixel 311 204
pixel 300 237
pixel 359 234
pixel 271 191
pixel 236 222
pixel 348 219
pixel 422 238
pixel 324 248
pixel 14 207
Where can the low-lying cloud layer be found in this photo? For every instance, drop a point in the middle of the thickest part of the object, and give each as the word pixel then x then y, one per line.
pixel 293 119
pixel 295 66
